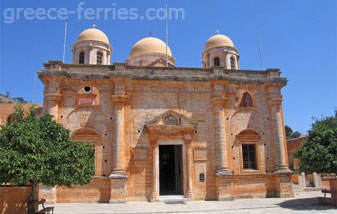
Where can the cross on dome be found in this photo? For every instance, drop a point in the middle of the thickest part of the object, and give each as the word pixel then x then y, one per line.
pixel 93 26
pixel 217 31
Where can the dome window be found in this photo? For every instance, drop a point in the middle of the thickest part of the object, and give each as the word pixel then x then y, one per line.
pixel 99 58
pixel 232 63
pixel 87 89
pixel 216 61
pixel 81 58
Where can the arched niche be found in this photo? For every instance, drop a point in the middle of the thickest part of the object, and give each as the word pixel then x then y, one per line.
pixel 87 116
pixel 247 118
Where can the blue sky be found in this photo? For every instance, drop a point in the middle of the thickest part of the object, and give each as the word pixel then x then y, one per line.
pixel 299 37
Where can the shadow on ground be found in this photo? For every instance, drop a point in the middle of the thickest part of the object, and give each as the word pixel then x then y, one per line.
pixel 306 204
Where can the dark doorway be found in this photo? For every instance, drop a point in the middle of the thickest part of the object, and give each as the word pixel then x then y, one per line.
pixel 170 170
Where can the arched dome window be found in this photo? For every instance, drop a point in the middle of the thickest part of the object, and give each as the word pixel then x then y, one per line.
pixel 99 58
pixel 247 100
pixel 216 61
pixel 232 63
pixel 81 58
pixel 171 120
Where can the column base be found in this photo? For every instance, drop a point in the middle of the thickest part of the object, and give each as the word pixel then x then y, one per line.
pixel 225 188
pixel 283 170
pixel 222 173
pixel 154 197
pixel 118 175
pixel 189 195
pixel 118 188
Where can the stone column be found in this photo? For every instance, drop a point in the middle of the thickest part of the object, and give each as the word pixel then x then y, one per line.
pixel 118 168
pixel 222 163
pixel 275 109
pixel 155 162
pixel 189 175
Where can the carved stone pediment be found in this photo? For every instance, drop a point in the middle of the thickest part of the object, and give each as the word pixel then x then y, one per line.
pixel 171 123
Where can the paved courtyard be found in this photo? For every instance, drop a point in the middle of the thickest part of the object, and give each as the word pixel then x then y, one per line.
pixel 303 202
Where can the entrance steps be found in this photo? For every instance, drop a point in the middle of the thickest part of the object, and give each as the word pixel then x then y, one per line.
pixel 172 198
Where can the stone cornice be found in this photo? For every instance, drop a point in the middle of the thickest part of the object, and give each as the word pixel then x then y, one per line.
pixel 121 70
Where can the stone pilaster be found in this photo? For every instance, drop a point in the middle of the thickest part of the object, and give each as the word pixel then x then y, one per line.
pixel 118 168
pixel 155 163
pixel 279 140
pixel 189 176
pixel 222 163
pixel 118 176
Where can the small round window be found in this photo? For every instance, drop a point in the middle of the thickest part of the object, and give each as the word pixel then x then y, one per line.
pixel 87 89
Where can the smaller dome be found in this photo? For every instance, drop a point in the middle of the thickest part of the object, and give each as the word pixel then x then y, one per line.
pixel 93 34
pixel 149 45
pixel 218 41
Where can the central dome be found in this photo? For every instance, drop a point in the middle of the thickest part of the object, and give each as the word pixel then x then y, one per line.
pixel 218 41
pixel 93 34
pixel 149 45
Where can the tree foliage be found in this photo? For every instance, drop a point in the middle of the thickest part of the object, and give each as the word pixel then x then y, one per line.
pixel 319 152
pixel 290 134
pixel 40 150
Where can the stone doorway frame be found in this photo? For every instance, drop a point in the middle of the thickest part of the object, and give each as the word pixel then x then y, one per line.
pixel 183 133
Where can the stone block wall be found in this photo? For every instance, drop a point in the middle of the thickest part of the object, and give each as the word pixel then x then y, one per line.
pixel 13 199
pixel 97 191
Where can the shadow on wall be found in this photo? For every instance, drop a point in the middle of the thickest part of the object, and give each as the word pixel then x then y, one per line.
pixel 305 204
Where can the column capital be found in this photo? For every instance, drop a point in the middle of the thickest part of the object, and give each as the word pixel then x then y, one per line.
pixel 219 100
pixel 52 97
pixel 119 98
pixel 275 101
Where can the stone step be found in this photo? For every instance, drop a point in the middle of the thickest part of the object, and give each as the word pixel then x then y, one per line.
pixel 172 198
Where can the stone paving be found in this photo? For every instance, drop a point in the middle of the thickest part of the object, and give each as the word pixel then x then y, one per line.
pixel 303 202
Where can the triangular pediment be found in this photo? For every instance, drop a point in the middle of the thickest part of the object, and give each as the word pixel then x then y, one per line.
pixel 171 114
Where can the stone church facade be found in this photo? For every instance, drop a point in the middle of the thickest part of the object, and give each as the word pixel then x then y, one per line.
pixel 210 133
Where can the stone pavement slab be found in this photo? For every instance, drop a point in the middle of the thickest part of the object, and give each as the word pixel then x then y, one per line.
pixel 303 202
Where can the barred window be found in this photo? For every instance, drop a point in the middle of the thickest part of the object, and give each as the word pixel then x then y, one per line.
pixel 81 58
pixel 249 156
pixel 99 58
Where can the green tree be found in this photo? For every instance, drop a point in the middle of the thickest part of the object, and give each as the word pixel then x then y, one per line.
pixel 319 152
pixel 39 150
pixel 290 134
